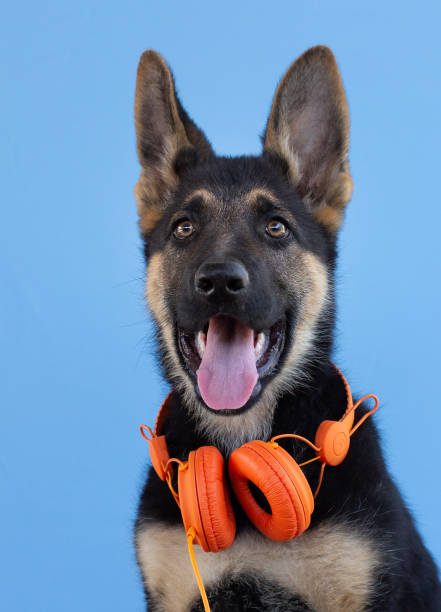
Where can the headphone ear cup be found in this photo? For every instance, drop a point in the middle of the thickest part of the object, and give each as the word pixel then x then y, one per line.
pixel 205 500
pixel 333 439
pixel 275 473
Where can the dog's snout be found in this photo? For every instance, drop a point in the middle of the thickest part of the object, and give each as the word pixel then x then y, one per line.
pixel 221 279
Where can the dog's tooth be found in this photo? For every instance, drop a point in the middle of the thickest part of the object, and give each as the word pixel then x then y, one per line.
pixel 259 346
pixel 201 340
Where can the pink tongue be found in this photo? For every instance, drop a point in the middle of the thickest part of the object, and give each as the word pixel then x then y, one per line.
pixel 227 374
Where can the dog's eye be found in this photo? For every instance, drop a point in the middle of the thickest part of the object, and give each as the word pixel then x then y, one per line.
pixel 276 229
pixel 183 230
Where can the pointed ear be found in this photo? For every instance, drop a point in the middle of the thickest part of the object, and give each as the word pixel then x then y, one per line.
pixel 168 142
pixel 308 128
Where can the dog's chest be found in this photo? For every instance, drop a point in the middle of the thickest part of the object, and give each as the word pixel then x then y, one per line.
pixel 331 567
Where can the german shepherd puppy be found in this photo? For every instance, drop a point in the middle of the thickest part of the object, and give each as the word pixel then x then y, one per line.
pixel 240 255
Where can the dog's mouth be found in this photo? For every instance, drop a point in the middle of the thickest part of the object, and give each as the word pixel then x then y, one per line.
pixel 229 359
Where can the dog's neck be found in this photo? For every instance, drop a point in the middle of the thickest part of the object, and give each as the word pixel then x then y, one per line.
pixel 301 411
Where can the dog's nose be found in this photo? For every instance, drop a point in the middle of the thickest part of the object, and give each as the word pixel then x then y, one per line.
pixel 226 279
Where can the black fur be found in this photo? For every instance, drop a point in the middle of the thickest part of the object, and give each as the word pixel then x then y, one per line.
pixel 252 593
pixel 359 493
pixel 228 178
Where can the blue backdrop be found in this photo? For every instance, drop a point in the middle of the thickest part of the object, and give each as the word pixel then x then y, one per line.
pixel 77 367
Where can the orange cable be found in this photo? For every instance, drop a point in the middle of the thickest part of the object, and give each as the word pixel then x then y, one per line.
pixel 182 466
pixel 313 446
pixel 322 471
pixel 309 461
pixel 368 414
pixel 170 486
pixel 141 429
pixel 191 534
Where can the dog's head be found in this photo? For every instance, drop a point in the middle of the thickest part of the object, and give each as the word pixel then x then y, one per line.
pixel 240 251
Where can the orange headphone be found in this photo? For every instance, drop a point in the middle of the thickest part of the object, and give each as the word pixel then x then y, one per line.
pixel 203 495
pixel 204 498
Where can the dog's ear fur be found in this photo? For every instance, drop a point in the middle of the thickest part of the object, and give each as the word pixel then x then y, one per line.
pixel 308 128
pixel 168 142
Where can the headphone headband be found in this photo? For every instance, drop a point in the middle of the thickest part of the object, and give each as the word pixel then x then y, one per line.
pixel 163 413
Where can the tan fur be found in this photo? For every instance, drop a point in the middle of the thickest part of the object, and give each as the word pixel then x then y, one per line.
pixel 156 97
pixel 254 194
pixel 331 567
pixel 161 133
pixel 239 204
pixel 153 189
pixel 291 117
pixel 155 290
pixel 149 214
pixel 207 196
pixel 153 72
pixel 329 217
pixel 310 286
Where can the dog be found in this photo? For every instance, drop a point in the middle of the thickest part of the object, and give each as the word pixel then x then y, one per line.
pixel 240 256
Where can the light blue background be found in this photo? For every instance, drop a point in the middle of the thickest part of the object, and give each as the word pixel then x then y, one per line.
pixel 77 367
